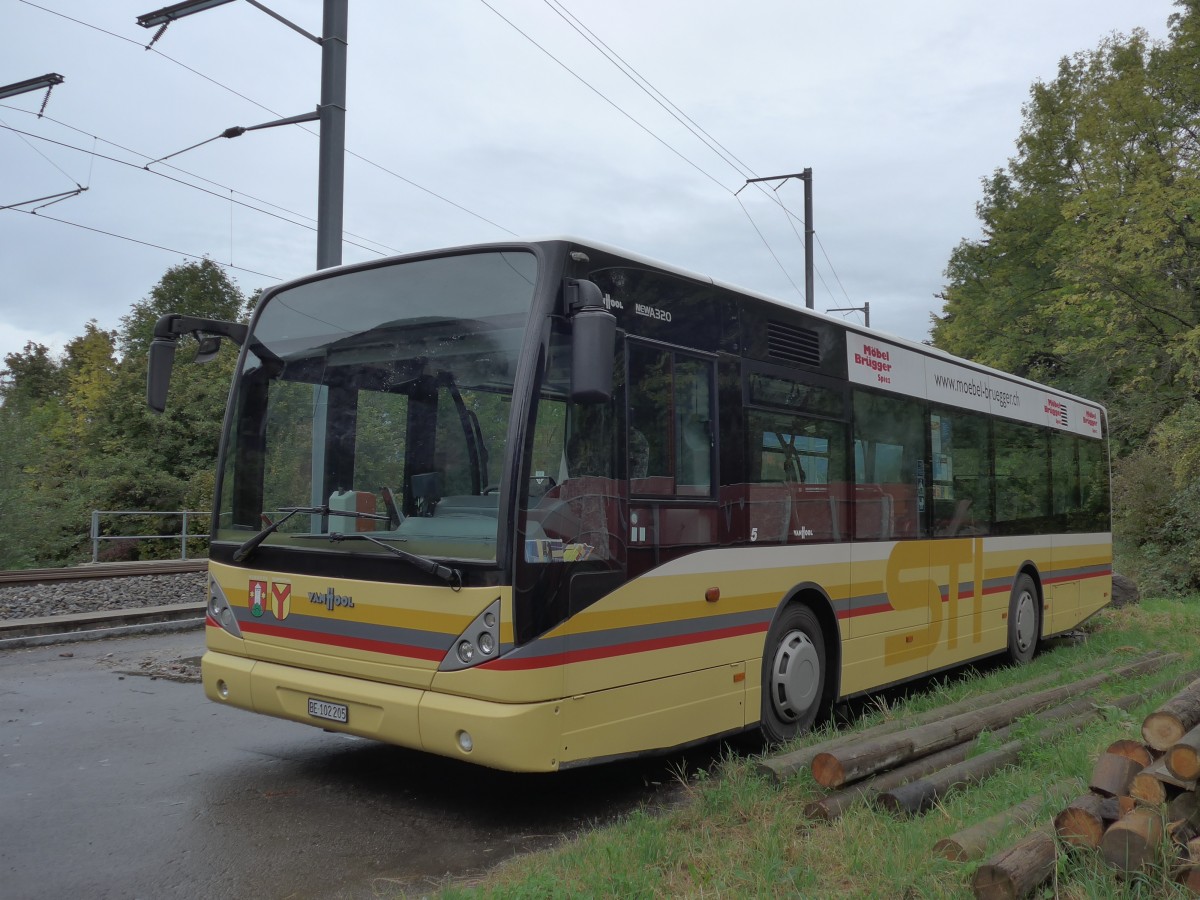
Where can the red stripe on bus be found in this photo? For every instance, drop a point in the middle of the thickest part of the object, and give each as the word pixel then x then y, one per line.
pixel 592 653
pixel 868 610
pixel 1062 578
pixel 351 643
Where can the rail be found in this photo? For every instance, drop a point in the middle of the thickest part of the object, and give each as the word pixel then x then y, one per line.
pixel 182 534
pixel 21 577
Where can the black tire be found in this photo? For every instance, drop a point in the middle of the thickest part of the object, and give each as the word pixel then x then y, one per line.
pixel 1024 620
pixel 793 675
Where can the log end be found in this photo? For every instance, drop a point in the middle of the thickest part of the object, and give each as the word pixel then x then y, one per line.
pixel 1132 842
pixel 993 883
pixel 818 811
pixel 1139 753
pixel 828 771
pixel 1189 877
pixel 1112 774
pixel 1079 828
pixel 1147 789
pixel 769 770
pixel 949 848
pixel 1183 762
pixel 1161 730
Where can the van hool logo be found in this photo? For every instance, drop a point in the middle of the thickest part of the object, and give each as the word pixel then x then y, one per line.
pixel 275 596
pixel 330 599
pixel 1057 411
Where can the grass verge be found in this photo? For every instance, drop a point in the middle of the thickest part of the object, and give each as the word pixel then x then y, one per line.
pixel 740 836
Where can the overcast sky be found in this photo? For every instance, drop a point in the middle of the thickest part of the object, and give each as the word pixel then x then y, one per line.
pixel 899 109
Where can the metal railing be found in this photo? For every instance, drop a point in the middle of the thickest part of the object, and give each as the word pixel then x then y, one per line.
pixel 182 534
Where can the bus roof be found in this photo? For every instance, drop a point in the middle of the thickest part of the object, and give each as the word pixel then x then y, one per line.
pixel 544 240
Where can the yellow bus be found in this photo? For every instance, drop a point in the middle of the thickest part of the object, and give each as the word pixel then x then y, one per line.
pixel 534 505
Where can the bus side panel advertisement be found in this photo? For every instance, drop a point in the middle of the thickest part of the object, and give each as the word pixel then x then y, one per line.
pixel 879 364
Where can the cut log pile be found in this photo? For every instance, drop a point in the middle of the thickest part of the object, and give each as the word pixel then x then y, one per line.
pixel 1141 808
pixel 1141 797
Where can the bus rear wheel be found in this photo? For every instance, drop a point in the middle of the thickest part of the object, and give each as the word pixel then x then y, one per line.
pixel 793 680
pixel 1023 620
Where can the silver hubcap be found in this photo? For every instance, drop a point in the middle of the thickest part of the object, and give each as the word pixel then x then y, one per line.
pixel 1025 626
pixel 795 676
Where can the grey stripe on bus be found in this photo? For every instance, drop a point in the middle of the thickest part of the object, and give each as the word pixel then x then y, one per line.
pixel 388 634
pixel 629 634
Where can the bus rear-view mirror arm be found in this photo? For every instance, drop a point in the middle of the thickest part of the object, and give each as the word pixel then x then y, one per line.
pixel 167 331
pixel 593 342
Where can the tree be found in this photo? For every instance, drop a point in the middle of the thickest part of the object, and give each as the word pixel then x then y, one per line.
pixel 30 377
pixel 167 461
pixel 78 435
pixel 1087 275
pixel 191 289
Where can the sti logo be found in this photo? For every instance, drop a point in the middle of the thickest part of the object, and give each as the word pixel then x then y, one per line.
pixel 277 596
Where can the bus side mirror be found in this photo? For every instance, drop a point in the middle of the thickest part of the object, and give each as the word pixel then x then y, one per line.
pixel 593 343
pixel 167 330
pixel 158 375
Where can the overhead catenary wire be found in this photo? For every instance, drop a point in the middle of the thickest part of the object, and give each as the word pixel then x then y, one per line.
pixel 236 93
pixel 643 127
pixel 125 237
pixel 649 89
pixel 197 177
pixel 21 135
pixel 676 112
pixel 186 184
pixel 511 24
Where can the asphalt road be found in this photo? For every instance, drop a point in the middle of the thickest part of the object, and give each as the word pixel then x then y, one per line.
pixel 117 781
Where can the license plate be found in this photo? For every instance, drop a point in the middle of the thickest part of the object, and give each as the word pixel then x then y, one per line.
pixel 334 712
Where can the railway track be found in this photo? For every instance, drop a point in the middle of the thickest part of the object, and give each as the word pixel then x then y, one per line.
pixel 17 577
pixel 84 626
pixel 15 633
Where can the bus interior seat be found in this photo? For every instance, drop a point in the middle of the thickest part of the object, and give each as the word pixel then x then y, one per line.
pixel 872 512
pixel 770 508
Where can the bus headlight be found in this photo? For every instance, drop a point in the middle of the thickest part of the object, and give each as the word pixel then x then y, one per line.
pixel 219 609
pixel 479 642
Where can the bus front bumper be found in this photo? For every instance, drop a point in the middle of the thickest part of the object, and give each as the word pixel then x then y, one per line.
pixel 517 737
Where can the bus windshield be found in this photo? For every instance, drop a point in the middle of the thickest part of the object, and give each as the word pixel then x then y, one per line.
pixel 378 400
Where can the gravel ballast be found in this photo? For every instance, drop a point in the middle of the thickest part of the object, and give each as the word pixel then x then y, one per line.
pixel 64 598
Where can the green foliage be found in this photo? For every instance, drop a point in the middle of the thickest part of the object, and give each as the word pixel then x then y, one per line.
pixel 1087 275
pixel 80 437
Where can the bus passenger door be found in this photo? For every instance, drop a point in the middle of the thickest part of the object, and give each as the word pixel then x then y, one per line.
pixel 896 611
pixel 670 456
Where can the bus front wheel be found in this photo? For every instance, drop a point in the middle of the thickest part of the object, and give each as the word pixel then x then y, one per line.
pixel 1023 620
pixel 793 675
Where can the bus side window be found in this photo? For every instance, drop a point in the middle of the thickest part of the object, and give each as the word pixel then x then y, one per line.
pixel 1022 477
pixel 797 486
pixel 889 467
pixel 960 473
pixel 693 416
pixel 649 413
pixel 671 446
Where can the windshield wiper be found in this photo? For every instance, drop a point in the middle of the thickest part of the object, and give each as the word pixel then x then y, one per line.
pixel 451 576
pixel 243 552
